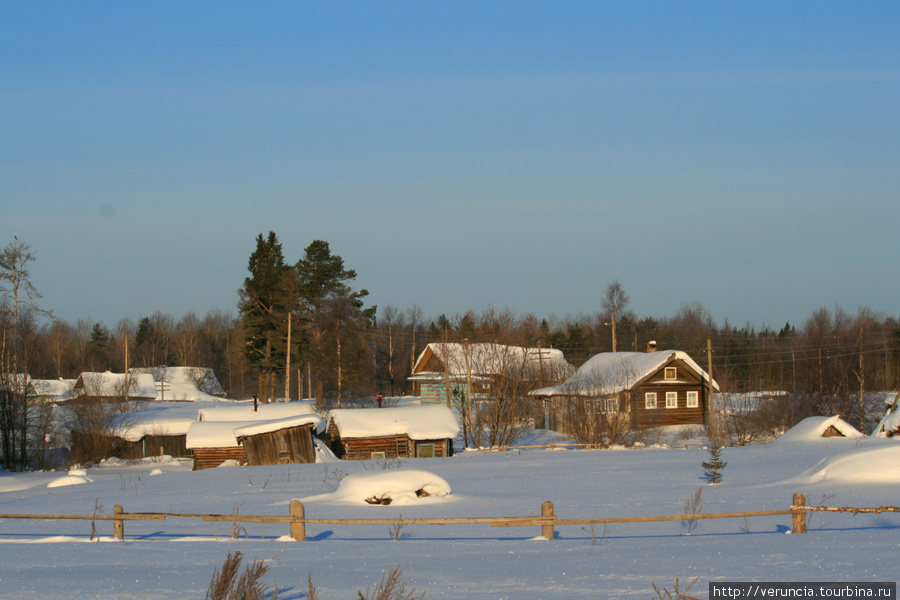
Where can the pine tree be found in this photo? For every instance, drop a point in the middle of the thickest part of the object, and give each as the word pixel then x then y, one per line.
pixel 335 317
pixel 264 301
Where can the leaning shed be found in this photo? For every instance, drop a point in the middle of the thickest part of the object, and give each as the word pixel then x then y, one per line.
pixel 280 441
pixel 408 432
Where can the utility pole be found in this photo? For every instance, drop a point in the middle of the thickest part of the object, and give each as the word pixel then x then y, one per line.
pixel 713 428
pixel 287 364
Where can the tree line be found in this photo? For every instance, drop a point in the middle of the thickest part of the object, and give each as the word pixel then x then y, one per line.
pixel 302 330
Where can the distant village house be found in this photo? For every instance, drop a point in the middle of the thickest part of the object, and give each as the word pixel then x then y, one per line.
pixel 642 390
pixel 451 371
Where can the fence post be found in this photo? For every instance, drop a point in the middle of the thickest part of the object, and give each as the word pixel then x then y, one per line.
pixel 298 529
pixel 119 524
pixel 799 516
pixel 547 511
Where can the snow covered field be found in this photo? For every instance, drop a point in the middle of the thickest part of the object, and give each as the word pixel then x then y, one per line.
pixel 176 558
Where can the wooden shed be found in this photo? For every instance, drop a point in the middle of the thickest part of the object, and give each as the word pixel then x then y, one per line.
pixel 214 442
pixel 280 441
pixel 387 433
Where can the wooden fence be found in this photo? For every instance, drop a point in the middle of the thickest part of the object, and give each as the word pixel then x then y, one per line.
pixel 547 520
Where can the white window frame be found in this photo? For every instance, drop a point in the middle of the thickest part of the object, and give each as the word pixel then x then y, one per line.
pixel 673 371
pixel 693 399
pixel 671 399
pixel 378 456
pixel 612 405
pixel 650 400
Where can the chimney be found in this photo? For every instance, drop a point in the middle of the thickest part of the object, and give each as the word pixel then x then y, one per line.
pixel 651 346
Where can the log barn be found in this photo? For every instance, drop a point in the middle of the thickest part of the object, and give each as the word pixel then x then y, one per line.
pixel 387 433
pixel 214 442
pixel 280 441
pixel 254 441
pixel 644 389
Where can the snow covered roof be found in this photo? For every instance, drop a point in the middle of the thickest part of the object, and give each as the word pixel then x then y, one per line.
pixel 891 421
pixel 213 434
pixel 418 422
pixel 491 360
pixel 258 427
pixel 48 388
pixel 177 418
pixel 140 385
pixel 812 428
pixel 243 411
pixel 186 383
pixel 613 372
pixel 225 434
pixel 158 418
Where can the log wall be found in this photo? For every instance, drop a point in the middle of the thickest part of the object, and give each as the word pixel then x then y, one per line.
pixel 209 458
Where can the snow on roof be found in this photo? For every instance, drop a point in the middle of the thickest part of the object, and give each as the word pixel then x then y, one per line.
pixel 213 434
pixel 418 422
pixel 891 421
pixel 199 380
pixel 812 428
pixel 258 427
pixel 487 359
pixel 243 411
pixel 176 418
pixel 113 384
pixel 52 387
pixel 612 372
pixel 158 418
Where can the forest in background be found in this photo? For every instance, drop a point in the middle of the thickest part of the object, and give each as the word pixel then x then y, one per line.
pixel 342 347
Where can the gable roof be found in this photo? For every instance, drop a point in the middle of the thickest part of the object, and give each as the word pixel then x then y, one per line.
pixel 111 384
pixel 418 422
pixel 185 382
pixel 487 360
pixel 612 372
pixel 813 428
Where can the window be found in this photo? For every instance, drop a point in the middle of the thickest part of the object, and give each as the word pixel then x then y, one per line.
pixel 671 373
pixel 378 455
pixel 650 400
pixel 671 399
pixel 693 399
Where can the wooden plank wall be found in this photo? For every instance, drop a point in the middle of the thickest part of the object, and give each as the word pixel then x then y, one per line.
pixel 293 445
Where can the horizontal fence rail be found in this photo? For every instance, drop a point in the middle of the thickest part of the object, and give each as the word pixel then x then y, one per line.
pixel 547 520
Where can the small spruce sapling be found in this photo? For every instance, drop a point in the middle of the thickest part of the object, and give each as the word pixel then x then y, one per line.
pixel 712 469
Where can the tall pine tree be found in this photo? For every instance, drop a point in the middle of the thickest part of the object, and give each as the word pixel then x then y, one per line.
pixel 266 297
pixel 335 318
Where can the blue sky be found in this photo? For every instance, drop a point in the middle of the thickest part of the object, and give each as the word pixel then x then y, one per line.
pixel 464 155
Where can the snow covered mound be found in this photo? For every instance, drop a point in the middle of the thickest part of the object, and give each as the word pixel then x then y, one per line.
pixel 813 429
pixel 388 487
pixel 868 465
pixel 74 477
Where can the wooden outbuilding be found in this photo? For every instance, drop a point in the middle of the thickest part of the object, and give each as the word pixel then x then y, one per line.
pixel 214 442
pixel 270 442
pixel 388 433
pixel 280 441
